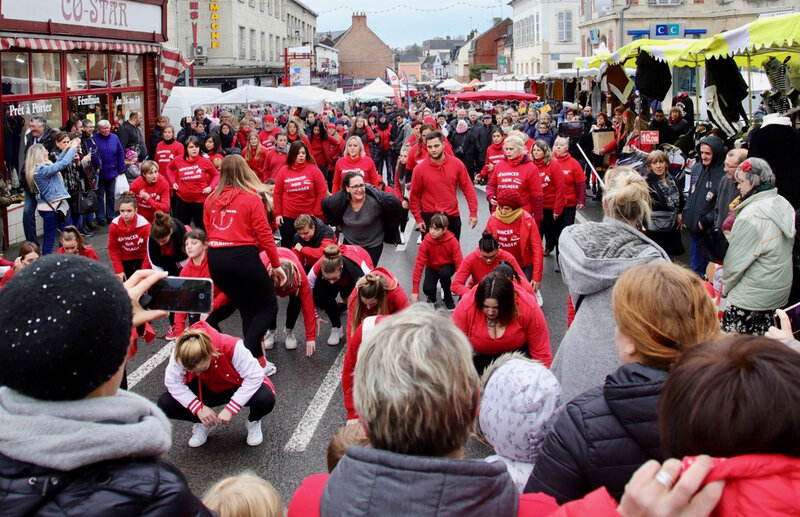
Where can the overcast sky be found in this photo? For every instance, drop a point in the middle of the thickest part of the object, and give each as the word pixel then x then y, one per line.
pixel 403 22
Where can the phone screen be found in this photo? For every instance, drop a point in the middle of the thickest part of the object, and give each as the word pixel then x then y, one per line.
pixel 794 317
pixel 177 294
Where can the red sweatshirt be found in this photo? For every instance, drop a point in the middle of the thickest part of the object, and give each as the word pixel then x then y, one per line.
pixel 385 135
pixel 552 180
pixel 299 189
pixel 275 162
pixel 362 165
pixel 165 153
pixel 239 218
pixel 476 268
pixel 257 162
pixel 435 253
pixel 267 138
pixel 395 296
pixel 87 252
pixel 192 270
pixel 353 344
pixel 333 149
pixel 241 137
pixel 494 153
pixel 414 160
pixel 433 188
pixel 303 292
pixel 574 179
pixel 294 138
pixel 159 196
pixel 127 242
pixel 518 174
pixel 192 176
pixel 521 239
pixel 528 327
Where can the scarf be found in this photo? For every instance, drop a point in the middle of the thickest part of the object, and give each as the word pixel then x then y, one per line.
pixel 516 161
pixel 540 163
pixel 461 128
pixel 170 141
pixel 753 191
pixel 510 218
pixel 672 121
pixel 284 149
pixel 67 435
pixel 561 157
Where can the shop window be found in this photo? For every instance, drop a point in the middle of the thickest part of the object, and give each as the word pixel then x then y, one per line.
pixel 119 71
pixel 46 70
pixel 15 73
pixel 252 44
pixel 135 70
pixel 126 102
pixel 77 72
pixel 47 108
pixel 98 77
pixel 92 106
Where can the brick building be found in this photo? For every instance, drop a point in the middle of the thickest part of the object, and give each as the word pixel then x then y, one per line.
pixel 483 49
pixel 362 54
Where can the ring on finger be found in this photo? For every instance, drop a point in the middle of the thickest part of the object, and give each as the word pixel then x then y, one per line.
pixel 665 478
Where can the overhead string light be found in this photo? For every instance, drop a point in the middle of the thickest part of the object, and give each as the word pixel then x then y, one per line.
pixel 453 5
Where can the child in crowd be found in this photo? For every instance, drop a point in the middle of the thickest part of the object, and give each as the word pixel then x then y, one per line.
pixel 344 437
pixel 312 236
pixel 152 191
pixel 440 255
pixel 245 495
pixel 72 244
pixel 127 238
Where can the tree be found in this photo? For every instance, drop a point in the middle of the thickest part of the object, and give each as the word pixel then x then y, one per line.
pixel 476 70
pixel 413 49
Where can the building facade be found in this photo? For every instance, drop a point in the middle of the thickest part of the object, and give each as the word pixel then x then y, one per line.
pixel 483 48
pixel 545 34
pixel 362 54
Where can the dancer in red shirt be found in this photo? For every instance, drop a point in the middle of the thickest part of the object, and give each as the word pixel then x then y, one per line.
pixel 516 171
pixel 482 261
pixel 276 157
pixel 355 159
pixel 255 155
pixel 554 199
pixel 299 189
pixel 294 134
pixel 152 191
pixel 72 244
pixel 166 151
pixel 419 150
pixel 127 238
pixel 494 153
pixel 213 149
pixel 193 177
pixel 377 292
pixel 440 256
pixel 268 132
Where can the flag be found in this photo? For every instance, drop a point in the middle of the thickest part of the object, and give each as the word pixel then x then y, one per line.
pixel 172 65
pixel 395 82
pixel 408 90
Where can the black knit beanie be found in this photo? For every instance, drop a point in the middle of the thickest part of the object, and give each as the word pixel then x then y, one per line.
pixel 65 326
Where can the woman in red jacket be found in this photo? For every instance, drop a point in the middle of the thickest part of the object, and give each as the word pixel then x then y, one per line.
pixel 482 261
pixel 440 256
pixel 214 150
pixel 193 177
pixel 127 238
pixel 237 226
pixel 317 144
pixel 294 134
pixel 377 292
pixel 355 159
pixel 72 244
pixel 276 157
pixel 494 153
pixel 574 186
pixel 498 317
pixel 516 171
pixel 554 197
pixel 299 189
pixel 385 132
pixel 516 231
pixel 255 155
pixel 166 151
pixel 152 191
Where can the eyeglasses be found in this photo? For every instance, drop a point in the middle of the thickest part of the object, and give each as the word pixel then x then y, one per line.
pixel 360 186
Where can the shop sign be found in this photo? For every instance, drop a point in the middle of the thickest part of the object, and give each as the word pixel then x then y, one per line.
pixel 213 8
pixel 649 137
pixel 125 15
pixel 666 30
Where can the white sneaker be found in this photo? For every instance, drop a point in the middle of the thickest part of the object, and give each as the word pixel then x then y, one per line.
pixel 419 239
pixel 199 435
pixel 270 369
pixel 268 341
pixel 336 336
pixel 291 342
pixel 254 434
pixel 539 299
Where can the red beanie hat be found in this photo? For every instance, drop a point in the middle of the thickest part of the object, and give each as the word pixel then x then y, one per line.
pixel 509 197
pixel 269 118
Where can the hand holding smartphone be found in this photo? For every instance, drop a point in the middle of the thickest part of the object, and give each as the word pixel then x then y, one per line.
pixel 793 315
pixel 179 294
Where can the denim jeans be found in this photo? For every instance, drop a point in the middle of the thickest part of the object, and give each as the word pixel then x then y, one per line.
pixel 29 218
pixel 105 199
pixel 49 239
pixel 697 260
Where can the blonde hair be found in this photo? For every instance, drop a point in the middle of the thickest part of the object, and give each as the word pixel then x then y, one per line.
pixel 235 172
pixel 548 153
pixel 662 327
pixel 371 285
pixel 245 495
pixel 344 437
pixel 34 157
pixel 626 197
pixel 516 141
pixel 519 134
pixel 360 144
pixel 415 386
pixel 193 348
pixel 149 166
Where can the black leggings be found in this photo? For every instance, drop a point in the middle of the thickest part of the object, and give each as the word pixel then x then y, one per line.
pixel 434 276
pixel 549 230
pixel 240 274
pixel 221 314
pixel 567 219
pixel 287 232
pixel 260 404
pixel 292 312
pixel 187 212
pixel 131 266
pixel 325 298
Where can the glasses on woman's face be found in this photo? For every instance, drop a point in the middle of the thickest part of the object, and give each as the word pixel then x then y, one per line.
pixel 359 186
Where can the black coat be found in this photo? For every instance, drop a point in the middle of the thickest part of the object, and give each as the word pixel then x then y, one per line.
pixel 602 437
pixel 131 138
pixel 333 208
pixel 169 263
pixel 702 198
pixel 125 487
pixel 780 146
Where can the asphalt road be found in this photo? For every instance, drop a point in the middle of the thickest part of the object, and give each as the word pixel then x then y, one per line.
pixel 309 397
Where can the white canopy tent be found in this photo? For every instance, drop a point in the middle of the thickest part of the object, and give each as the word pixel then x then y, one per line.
pixel 249 94
pixel 376 90
pixel 450 85
pixel 182 100
pixel 318 93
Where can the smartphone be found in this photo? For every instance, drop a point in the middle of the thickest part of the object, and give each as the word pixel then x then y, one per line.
pixel 179 294
pixel 793 312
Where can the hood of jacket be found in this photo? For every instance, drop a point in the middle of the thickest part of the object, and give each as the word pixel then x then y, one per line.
pixel 717 147
pixel 769 206
pixel 632 394
pixel 520 403
pixel 594 255
pixel 377 482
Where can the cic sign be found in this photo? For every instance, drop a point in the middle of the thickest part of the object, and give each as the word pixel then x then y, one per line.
pixel 666 30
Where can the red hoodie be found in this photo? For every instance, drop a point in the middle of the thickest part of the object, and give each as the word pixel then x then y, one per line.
pixel 192 177
pixel 395 296
pixel 385 135
pixel 299 189
pixel 574 179
pixel 528 326
pixel 87 252
pixel 521 239
pixel 434 254
pixel 356 254
pixel 518 174
pixel 333 149
pixel 127 242
pixel 552 180
pixel 241 137
pixel 303 292
pixel 476 268
pixel 275 162
pixel 239 218
pixel 362 165
pixel 267 138
pixel 433 188
pixel 165 153
pixel 159 196
pixel 192 270
pixel 494 153
pixel 414 160
pixel 257 162
pixel 353 344
pixel 297 136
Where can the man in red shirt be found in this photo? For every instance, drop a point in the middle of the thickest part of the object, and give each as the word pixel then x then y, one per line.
pixel 433 187
pixel 270 131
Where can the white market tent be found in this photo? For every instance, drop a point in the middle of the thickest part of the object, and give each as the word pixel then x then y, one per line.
pixel 249 94
pixel 182 99
pixel 318 93
pixel 376 90
pixel 450 85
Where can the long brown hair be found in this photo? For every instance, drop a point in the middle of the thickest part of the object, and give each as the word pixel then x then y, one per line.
pixel 371 285
pixel 234 172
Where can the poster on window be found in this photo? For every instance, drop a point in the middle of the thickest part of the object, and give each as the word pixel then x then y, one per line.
pixel 126 102
pixel 299 71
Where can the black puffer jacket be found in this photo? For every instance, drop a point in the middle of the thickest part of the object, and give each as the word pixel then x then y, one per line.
pixel 130 487
pixel 602 437
pixel 333 208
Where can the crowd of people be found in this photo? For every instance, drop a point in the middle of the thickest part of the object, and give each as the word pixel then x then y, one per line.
pixel 301 207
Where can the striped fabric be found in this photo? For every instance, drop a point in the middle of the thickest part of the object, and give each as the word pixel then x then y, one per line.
pixel 32 43
pixel 172 65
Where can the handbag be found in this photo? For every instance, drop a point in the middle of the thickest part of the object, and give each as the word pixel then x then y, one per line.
pixel 87 202
pixel 714 245
pixel 662 221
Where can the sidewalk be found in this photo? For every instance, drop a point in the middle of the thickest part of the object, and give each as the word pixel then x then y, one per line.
pixel 99 242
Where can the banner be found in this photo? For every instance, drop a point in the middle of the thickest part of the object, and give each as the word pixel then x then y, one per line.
pixel 299 71
pixel 395 82
pixel 408 90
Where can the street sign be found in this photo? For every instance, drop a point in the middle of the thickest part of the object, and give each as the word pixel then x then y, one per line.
pixel 649 138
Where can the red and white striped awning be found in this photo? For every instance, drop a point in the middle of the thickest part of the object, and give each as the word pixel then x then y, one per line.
pixel 172 65
pixel 32 43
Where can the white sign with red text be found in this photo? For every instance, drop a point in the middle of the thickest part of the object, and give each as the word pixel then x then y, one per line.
pixel 124 15
pixel 649 138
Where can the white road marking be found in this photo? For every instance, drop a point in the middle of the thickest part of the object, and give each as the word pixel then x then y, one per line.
pixel 316 409
pixel 150 365
pixel 410 225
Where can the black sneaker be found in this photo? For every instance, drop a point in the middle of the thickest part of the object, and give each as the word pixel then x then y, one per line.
pixel 85 232
pixel 449 303
pixel 101 222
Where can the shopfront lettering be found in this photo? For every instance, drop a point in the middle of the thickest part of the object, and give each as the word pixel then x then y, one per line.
pixel 119 15
pixel 128 100
pixel 213 8
pixel 21 110
pixel 88 101
pixel 105 12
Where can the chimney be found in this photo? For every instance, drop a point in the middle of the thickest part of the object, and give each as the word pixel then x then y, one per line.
pixel 496 20
pixel 359 20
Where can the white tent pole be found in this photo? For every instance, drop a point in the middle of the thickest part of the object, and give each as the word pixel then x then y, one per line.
pixel 749 86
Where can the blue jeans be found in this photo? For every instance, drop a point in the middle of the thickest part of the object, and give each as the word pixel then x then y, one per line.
pixel 49 239
pixel 697 261
pixel 29 218
pixel 105 199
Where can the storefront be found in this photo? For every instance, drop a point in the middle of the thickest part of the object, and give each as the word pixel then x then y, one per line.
pixel 65 59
